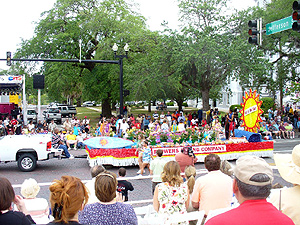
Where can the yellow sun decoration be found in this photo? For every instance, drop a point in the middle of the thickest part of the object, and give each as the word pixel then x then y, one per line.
pixel 251 111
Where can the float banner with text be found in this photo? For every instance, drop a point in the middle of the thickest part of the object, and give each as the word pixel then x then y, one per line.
pixel 197 149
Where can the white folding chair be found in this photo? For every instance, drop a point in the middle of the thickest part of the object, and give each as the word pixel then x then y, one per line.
pixel 177 218
pixel 216 212
pixel 144 211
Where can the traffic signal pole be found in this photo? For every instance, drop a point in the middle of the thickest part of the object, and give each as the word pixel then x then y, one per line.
pixel 255 32
pixel 260 32
pixel 9 60
pixel 62 60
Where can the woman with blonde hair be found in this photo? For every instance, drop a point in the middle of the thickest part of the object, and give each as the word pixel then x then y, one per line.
pixel 38 208
pixel 110 209
pixel 190 174
pixel 171 196
pixel 68 196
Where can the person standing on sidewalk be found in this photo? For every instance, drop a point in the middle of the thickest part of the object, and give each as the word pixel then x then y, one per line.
pixel 123 185
pixel 146 157
pixel 156 168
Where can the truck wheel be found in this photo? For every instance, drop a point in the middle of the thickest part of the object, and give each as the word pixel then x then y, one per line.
pixel 27 162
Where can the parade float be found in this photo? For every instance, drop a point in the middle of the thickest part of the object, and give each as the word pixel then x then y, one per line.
pixel 123 152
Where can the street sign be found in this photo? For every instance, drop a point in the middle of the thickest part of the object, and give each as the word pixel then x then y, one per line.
pixel 279 25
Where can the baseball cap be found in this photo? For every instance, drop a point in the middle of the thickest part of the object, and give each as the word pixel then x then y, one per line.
pixel 249 165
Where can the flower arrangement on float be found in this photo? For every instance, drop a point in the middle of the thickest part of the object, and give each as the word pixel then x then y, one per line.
pixel 190 136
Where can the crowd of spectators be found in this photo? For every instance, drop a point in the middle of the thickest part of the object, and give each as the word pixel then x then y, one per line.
pixel 100 201
pixel 70 135
pixel 15 126
pixel 277 124
pixel 280 123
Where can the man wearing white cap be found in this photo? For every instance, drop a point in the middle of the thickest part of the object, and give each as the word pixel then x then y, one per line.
pixel 287 200
pixel 251 186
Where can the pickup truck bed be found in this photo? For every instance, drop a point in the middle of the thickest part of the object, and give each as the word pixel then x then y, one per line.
pixel 26 150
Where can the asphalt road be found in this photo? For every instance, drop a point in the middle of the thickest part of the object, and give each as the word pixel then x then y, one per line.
pixel 52 169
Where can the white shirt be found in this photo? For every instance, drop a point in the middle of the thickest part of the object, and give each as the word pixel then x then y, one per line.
pixel 194 121
pixel 84 135
pixel 164 127
pixel 181 127
pixel 118 124
pixel 30 126
pixel 169 117
pixel 38 208
pixel 150 125
pixel 79 138
pixel 6 122
pixel 162 117
pixel 90 185
pixel 86 121
pixel 124 127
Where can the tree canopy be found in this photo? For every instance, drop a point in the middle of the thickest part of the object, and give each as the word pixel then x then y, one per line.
pixel 208 51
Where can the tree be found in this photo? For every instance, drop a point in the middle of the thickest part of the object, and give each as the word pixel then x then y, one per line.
pixel 282 47
pixel 98 24
pixel 200 53
pixel 251 68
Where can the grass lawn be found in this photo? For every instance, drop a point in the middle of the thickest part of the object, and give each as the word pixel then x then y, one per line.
pixel 90 114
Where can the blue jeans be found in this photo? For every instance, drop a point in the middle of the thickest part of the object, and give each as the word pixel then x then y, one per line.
pixel 295 123
pixel 119 133
pixel 80 145
pixel 65 148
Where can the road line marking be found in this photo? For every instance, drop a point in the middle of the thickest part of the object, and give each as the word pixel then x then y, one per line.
pixel 200 171
pixel 284 151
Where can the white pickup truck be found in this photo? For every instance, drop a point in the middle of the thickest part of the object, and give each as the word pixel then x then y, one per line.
pixel 27 150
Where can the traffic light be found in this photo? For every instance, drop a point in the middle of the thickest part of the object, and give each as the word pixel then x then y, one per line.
pixel 253 31
pixel 8 58
pixel 296 16
pixel 126 93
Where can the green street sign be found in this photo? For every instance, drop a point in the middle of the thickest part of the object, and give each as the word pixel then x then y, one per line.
pixel 279 25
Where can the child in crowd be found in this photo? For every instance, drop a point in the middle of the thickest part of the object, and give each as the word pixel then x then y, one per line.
pixel 97 131
pixel 174 127
pixel 123 185
pixel 207 131
pixel 139 151
pixel 146 157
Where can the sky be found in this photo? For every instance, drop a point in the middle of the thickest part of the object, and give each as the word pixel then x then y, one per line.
pixel 18 16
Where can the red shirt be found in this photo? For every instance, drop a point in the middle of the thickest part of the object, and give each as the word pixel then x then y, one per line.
pixel 252 212
pixel 138 126
pixel 14 122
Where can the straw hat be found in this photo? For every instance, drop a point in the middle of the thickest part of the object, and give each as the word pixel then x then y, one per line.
pixel 30 188
pixel 289 165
